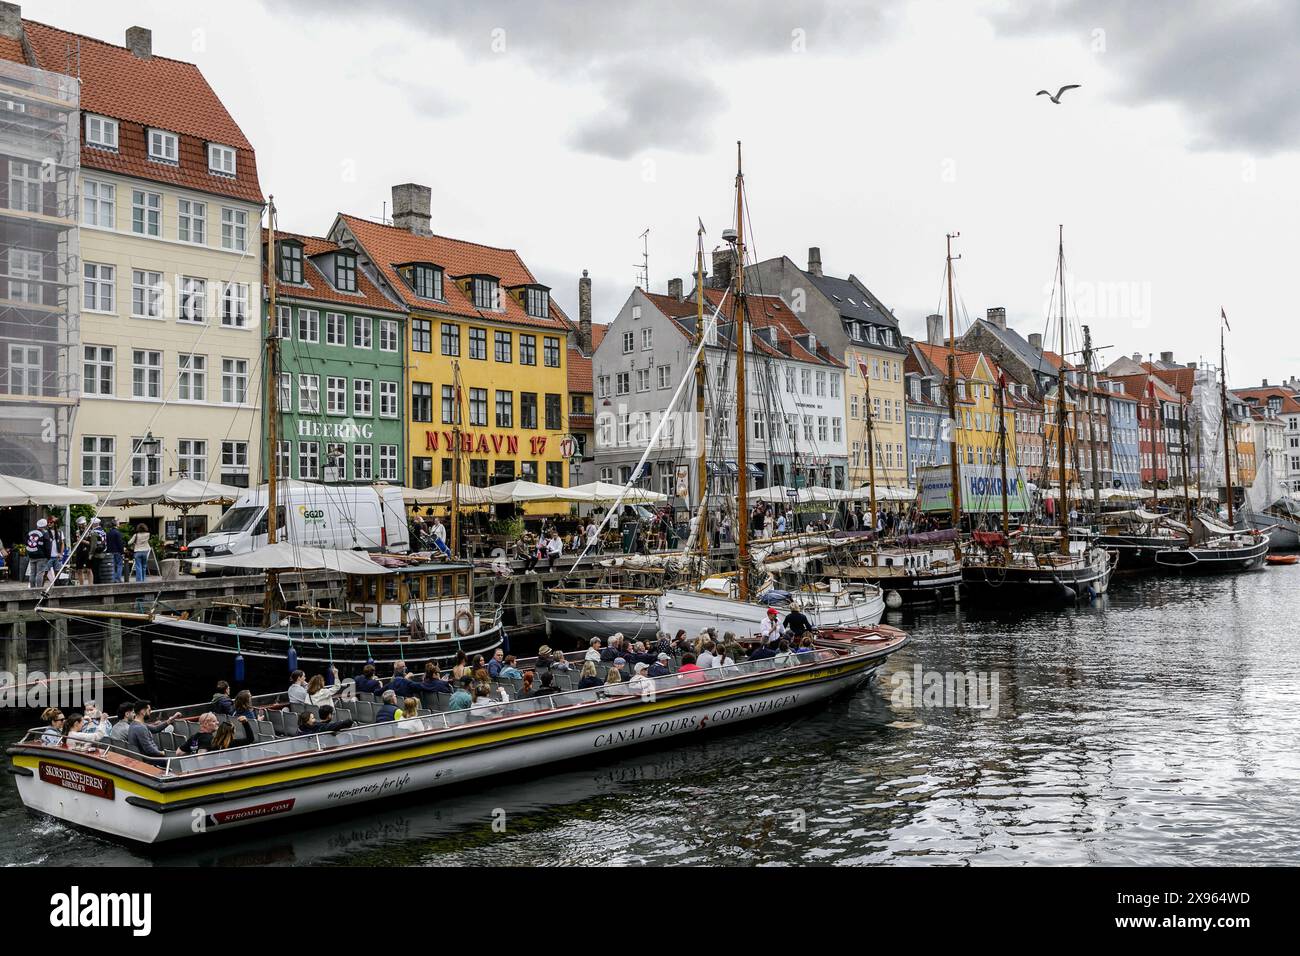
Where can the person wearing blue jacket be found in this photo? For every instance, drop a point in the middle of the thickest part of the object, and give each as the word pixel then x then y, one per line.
pixel 388 710
pixel 367 683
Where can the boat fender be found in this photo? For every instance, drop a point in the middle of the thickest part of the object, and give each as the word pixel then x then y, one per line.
pixel 1069 592
pixel 239 668
pixel 329 676
pixel 1091 593
pixel 893 600
pixel 293 658
pixel 464 623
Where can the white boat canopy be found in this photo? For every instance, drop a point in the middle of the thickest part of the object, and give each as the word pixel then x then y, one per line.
pixel 289 557
pixel 18 492
pixel 178 493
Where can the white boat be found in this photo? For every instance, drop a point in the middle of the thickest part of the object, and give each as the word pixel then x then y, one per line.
pixel 122 795
pixel 716 605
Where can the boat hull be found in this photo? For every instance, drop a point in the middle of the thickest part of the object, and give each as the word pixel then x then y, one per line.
pixel 568 626
pixel 1136 553
pixel 1203 560
pixel 693 611
pixel 1012 584
pixel 186 658
pixel 88 792
pixel 1283 535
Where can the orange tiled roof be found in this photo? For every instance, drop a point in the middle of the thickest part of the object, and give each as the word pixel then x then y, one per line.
pixel 12 49
pixel 598 331
pixel 1262 393
pixel 769 311
pixel 1182 379
pixel 158 92
pixel 937 355
pixel 579 370
pixel 391 246
pixel 318 288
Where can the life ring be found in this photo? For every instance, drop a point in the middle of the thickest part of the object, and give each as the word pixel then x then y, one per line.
pixel 464 623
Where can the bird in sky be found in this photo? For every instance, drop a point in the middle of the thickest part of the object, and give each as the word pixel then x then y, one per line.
pixel 1057 98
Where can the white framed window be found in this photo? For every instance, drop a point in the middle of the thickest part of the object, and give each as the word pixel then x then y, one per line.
pixel 146 294
pixel 221 160
pixel 647 339
pixel 146 467
pixel 387 462
pixel 622 383
pixel 234 462
pixel 99 287
pixel 192 300
pixel 283 458
pixel 388 400
pixel 146 374
pixel 97 461
pixel 284 321
pixel 192 378
pixel 98 204
pixel 388 339
pixel 192 221
pixel 26 370
pixel 665 376
pixel 234 381
pixel 26 264
pixel 286 392
pixel 234 229
pixel 234 304
pixel 101 132
pixel 362 396
pixel 192 457
pixel 146 213
pixel 336 395
pixel 629 342
pixel 362 463
pixel 361 331
pixel 97 370
pixel 163 146
pixel 308 325
pixel 336 328
pixel 643 380
pixel 308 460
pixel 309 394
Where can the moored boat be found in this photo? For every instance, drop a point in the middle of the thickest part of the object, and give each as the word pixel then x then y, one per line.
pixel 122 795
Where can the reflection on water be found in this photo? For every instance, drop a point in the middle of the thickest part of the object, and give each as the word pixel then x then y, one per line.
pixel 1154 726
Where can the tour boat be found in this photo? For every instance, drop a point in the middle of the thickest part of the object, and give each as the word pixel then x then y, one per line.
pixel 121 795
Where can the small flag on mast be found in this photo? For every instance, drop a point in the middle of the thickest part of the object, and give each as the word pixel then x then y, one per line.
pixel 1224 316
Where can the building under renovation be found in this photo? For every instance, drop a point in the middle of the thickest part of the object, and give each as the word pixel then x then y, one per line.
pixel 39 270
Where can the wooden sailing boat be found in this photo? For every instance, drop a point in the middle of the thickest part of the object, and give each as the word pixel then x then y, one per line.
pixel 1074 568
pixel 1218 548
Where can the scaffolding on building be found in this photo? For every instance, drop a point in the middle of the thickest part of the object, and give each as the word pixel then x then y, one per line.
pixel 40 270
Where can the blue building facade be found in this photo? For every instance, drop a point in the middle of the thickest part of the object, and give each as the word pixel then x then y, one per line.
pixel 925 410
pixel 1125 452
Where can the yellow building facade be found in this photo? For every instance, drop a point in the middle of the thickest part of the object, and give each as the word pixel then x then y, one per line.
pixel 877 373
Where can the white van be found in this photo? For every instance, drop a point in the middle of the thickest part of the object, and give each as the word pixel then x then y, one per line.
pixel 365 517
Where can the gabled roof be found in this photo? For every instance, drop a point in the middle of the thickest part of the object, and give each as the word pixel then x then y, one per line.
pixel 390 246
pixel 937 356
pixel 853 299
pixel 1135 386
pixel 1262 393
pixel 1181 378
pixel 1019 346
pixel 158 93
pixel 316 287
pixel 578 368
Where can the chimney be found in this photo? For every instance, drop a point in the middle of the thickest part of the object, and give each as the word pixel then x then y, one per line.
pixel 1191 365
pixel 675 289
pixel 140 42
pixel 721 268
pixel 934 329
pixel 1167 358
pixel 411 205
pixel 584 314
pixel 1036 342
pixel 815 260
pixel 11 21
pixel 1137 358
pixel 1265 383
pixel 996 315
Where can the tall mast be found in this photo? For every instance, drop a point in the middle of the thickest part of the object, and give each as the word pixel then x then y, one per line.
pixel 701 465
pixel 272 409
pixel 1089 384
pixel 1155 456
pixel 1063 519
pixel 454 534
pixel 1187 495
pixel 1002 441
pixel 742 465
pixel 1227 425
pixel 871 444
pixel 954 465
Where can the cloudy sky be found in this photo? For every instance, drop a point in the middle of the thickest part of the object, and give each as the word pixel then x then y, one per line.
pixel 870 129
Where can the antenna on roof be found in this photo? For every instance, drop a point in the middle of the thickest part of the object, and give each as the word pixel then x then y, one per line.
pixel 643 270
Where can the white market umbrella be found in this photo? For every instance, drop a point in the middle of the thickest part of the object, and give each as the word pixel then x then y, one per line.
pixel 183 493
pixel 441 495
pixel 606 492
pixel 521 491
pixel 18 492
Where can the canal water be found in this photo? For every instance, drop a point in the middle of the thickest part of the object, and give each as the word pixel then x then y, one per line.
pixel 1157 725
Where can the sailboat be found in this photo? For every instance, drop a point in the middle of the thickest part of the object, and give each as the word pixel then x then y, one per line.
pixel 1272 508
pixel 1216 547
pixel 1076 568
pixel 731 602
pixel 414 609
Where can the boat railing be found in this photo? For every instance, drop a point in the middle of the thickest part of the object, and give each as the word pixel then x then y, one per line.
pixel 441 721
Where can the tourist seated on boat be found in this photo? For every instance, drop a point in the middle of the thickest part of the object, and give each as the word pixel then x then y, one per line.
pixel 689 667
pixel 705 657
pixel 482 682
pixel 125 714
pixel 409 719
pixel 298 688
pixel 614 675
pixel 545 687
pixel 326 724
pixel 526 688
pixel 660 667
pixel 613 649
pixel 154 726
pixel 224 737
pixel 244 707
pixel 318 692
pixel 95 720
pixel 545 656
pixel 401 685
pixel 639 680
pixel 805 646
pixel 639 654
pixel 388 708
pixel 783 653
pixel 797 623
pixel 588 676
pixel 510 669
pixel 139 739
pixel 221 702
pixel 762 652
pixel 593 652
pixel 461 667
pixel 722 655
pixel 202 740
pixel 462 699
pixel 498 661
pixel 53 719
pixel 433 682
pixel 367 683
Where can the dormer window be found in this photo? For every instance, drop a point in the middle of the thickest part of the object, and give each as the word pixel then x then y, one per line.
pixel 101 131
pixel 345 271
pixel 163 146
pixel 539 301
pixel 487 293
pixel 871 334
pixel 291 262
pixel 221 160
pixel 425 280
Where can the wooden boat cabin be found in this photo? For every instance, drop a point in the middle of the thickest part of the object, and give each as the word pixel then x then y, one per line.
pixel 440 596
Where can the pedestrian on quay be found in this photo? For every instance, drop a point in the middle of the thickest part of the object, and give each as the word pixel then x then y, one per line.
pixel 115 547
pixel 140 549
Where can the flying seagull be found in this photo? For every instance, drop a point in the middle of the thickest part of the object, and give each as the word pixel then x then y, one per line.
pixel 1057 98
